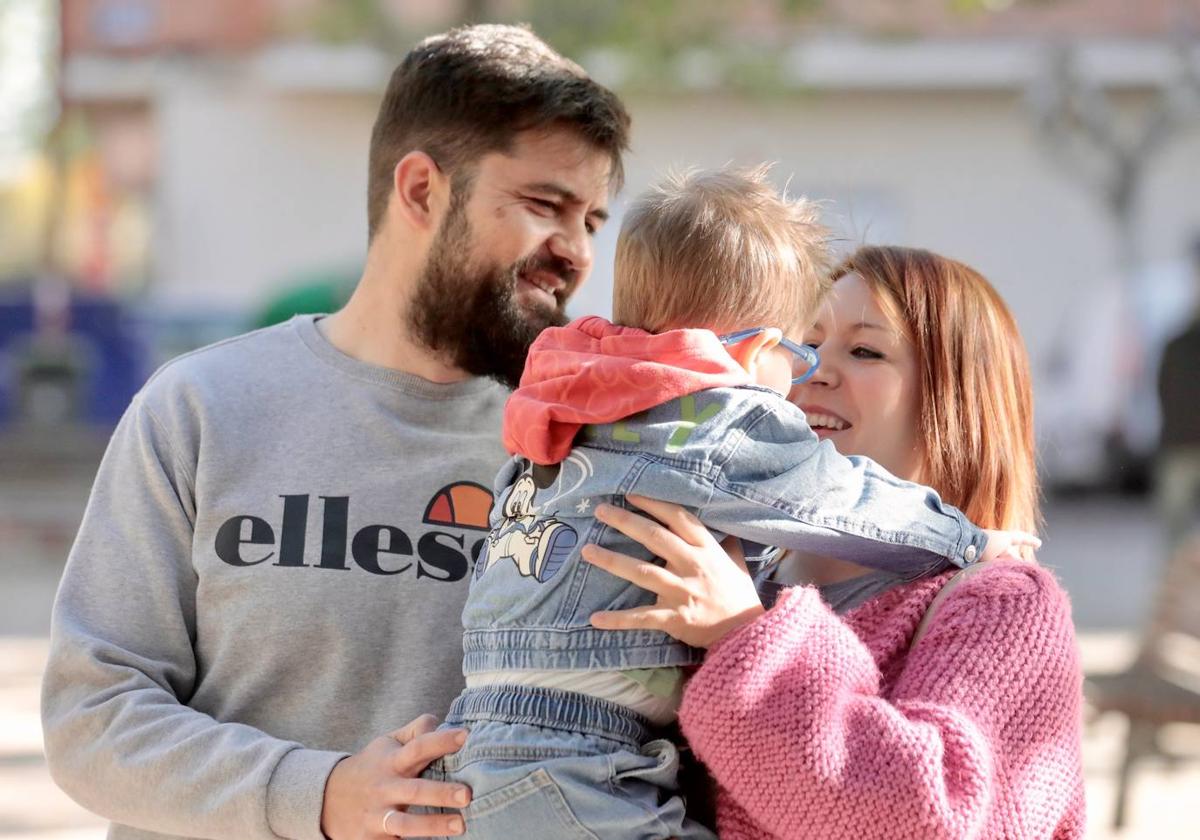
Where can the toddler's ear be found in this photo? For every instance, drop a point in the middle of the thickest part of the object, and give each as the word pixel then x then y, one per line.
pixel 747 351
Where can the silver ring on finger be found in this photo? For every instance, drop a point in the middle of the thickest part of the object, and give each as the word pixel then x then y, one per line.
pixel 387 817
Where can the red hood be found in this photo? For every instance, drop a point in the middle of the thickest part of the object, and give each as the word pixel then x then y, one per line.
pixel 591 371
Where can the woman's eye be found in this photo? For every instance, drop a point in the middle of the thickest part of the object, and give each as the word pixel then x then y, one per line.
pixel 865 353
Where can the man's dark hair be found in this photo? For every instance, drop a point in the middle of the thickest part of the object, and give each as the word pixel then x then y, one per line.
pixel 462 94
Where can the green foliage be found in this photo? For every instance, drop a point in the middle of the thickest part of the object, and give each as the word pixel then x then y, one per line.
pixel 655 39
pixel 974 7
pixel 351 21
pixel 647 28
pixel 28 65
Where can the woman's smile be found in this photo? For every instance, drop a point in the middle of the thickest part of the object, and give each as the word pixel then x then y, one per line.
pixel 824 421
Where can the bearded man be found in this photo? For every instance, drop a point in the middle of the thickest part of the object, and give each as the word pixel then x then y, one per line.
pixel 273 561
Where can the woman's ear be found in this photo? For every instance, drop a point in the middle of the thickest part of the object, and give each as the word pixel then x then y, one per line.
pixel 747 351
pixel 420 191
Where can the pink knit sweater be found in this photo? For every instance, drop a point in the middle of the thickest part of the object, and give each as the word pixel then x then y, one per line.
pixel 817 727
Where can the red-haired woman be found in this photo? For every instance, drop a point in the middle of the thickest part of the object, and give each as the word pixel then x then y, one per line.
pixel 864 706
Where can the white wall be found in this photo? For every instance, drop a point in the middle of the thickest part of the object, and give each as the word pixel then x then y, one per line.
pixel 256 188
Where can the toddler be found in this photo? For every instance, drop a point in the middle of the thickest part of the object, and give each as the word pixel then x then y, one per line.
pixel 684 400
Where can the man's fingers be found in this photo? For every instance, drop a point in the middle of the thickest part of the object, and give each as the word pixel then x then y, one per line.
pixel 638 618
pixel 641 573
pixel 416 755
pixel 681 521
pixel 404 792
pixel 402 824
pixel 425 723
pixel 657 539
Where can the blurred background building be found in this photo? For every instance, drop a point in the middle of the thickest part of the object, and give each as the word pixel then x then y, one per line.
pixel 174 172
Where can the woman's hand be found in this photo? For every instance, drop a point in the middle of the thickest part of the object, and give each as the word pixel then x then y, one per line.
pixel 704 591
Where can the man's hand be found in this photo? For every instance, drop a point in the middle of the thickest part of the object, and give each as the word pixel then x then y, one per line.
pixel 368 794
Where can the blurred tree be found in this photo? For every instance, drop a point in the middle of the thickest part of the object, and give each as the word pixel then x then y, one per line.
pixel 28 40
pixel 476 11
pixel 740 46
pixel 1082 127
pixel 348 21
pixel 1109 151
pixel 658 43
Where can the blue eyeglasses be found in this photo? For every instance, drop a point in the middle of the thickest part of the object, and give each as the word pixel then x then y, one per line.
pixel 805 359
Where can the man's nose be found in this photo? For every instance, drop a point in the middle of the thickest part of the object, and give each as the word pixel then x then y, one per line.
pixel 575 246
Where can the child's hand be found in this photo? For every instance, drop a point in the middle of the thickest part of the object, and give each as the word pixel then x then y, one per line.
pixel 704 591
pixel 1013 545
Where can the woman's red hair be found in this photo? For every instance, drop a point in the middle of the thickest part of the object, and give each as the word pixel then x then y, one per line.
pixel 976 400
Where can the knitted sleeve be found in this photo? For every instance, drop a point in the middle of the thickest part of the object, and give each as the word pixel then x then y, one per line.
pixel 978 736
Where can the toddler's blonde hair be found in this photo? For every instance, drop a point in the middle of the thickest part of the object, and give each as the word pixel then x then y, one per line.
pixel 720 249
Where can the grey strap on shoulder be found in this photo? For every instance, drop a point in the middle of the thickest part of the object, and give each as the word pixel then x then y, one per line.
pixel 954 580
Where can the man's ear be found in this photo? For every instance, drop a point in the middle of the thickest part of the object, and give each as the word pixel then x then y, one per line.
pixel 747 351
pixel 420 191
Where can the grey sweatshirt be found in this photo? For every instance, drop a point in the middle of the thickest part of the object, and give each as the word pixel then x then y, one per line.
pixel 269 574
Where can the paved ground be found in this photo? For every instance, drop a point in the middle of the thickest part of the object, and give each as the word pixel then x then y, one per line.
pixel 1106 553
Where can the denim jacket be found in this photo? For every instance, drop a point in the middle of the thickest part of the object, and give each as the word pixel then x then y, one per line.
pixel 745 461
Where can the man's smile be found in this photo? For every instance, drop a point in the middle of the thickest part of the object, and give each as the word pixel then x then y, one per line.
pixel 544 280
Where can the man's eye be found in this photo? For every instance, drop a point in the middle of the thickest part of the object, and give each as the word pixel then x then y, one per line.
pixel 865 353
pixel 543 204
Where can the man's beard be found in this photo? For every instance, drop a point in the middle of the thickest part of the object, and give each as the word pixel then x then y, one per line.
pixel 470 313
